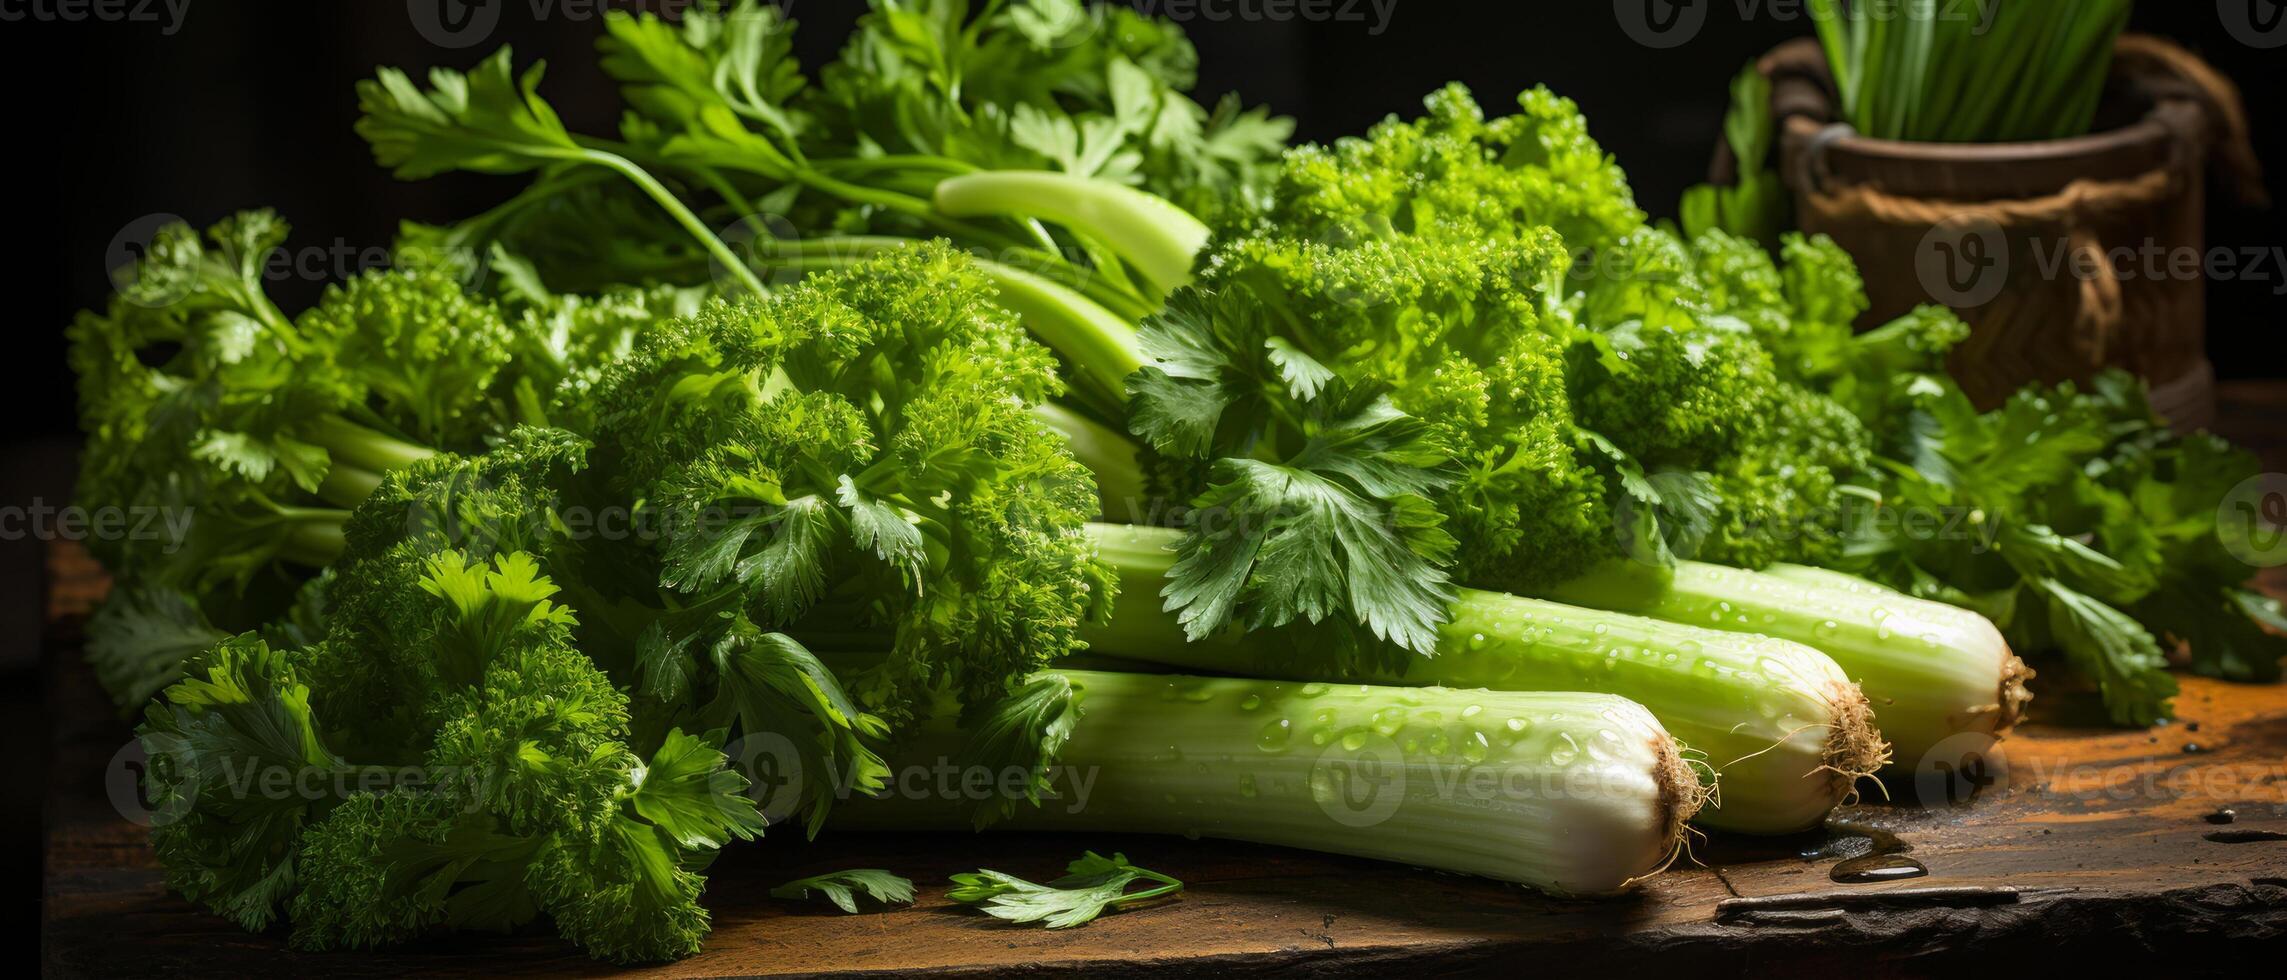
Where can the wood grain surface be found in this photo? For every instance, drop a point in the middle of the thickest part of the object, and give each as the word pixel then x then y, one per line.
pixel 2091 849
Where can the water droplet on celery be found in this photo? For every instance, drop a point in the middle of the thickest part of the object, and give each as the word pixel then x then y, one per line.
pixel 1274 736
pixel 1474 746
pixel 1563 755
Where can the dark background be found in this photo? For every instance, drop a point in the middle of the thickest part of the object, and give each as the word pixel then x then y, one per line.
pixel 250 104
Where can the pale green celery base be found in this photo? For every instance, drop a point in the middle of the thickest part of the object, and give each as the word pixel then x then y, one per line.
pixel 347 486
pixel 1159 239
pixel 1932 670
pixel 1569 793
pixel 1098 345
pixel 1775 718
pixel 314 541
pixel 364 448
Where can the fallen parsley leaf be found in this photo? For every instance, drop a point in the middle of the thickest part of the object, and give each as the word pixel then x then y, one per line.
pixel 1094 883
pixel 842 888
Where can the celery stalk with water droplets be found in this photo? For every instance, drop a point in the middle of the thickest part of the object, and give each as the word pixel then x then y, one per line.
pixel 1570 793
pixel 1933 671
pixel 1781 722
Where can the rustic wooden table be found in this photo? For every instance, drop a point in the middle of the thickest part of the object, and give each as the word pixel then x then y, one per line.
pixel 2095 847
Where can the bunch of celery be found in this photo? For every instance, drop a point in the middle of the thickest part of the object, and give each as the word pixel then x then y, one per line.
pixel 1380 394
pixel 848 537
pixel 1503 396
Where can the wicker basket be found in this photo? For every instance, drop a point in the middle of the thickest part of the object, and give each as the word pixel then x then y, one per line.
pixel 2047 249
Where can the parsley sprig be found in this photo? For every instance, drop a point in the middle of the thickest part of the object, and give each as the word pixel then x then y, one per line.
pixel 1093 884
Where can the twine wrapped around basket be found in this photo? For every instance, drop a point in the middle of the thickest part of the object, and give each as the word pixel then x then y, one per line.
pixel 2067 256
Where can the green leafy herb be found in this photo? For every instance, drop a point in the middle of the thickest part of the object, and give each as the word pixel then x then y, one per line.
pixel 1091 885
pixel 843 888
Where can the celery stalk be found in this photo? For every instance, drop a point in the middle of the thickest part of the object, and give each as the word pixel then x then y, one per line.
pixel 1576 794
pixel 1780 721
pixel 1933 671
pixel 1159 239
